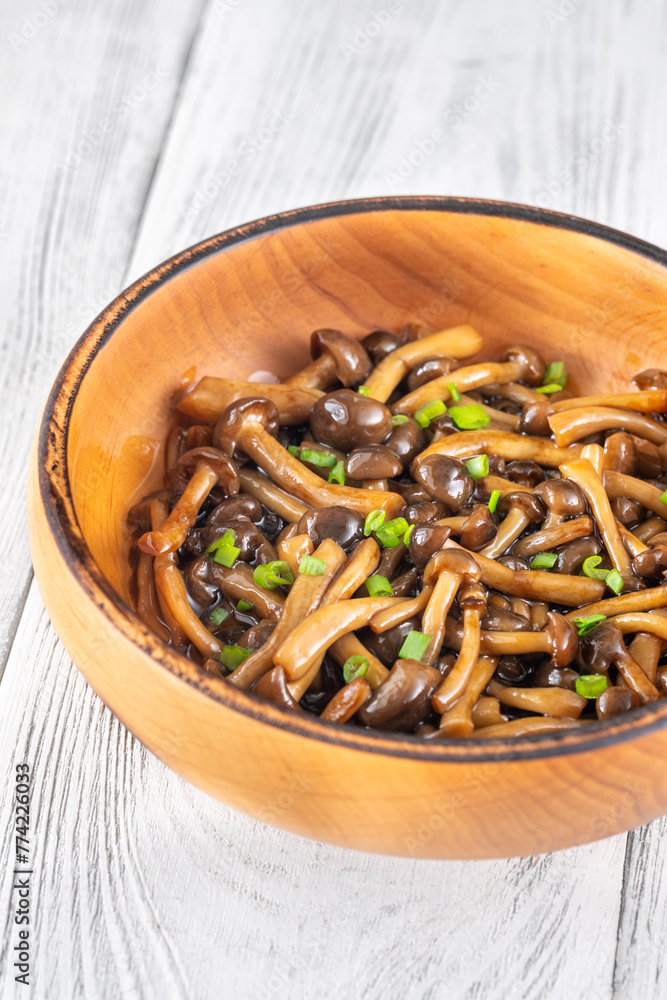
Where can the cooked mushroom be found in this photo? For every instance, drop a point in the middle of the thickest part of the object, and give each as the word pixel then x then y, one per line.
pixel 335 358
pixel 486 713
pixel 651 401
pixel 552 538
pixel 342 525
pixel 275 499
pixel 403 700
pixel 458 720
pixel 445 479
pixel 569 426
pixel 273 687
pixel 379 344
pixel 526 727
pixel 620 453
pixel 511 447
pixel 545 700
pixel 584 475
pixel 562 499
pixel 472 601
pixel 604 647
pixel 534 419
pixel 520 510
pixel 478 529
pixel 615 700
pixel 406 441
pixel 209 397
pixel 446 571
pixel 347 702
pixel 372 461
pixel 428 370
pixel 345 419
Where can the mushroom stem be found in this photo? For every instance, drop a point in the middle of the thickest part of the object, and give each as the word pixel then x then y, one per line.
pixel 637 601
pixel 546 700
pixel 646 649
pixel 595 455
pixel 158 513
pixel 569 426
pixel 207 399
pixel 402 613
pixel 319 374
pixel 472 377
pixel 526 727
pixel 147 601
pixel 617 484
pixel 347 646
pixel 511 447
pixel 649 528
pixel 174 531
pixel 346 702
pixel 515 391
pixel 293 549
pixel 309 639
pixel 237 583
pixel 551 538
pixel 360 564
pixel 519 643
pixel 510 529
pixel 172 589
pixel 535 584
pixel 456 342
pixel 634 545
pixel 486 713
pixel 435 614
pixel 458 720
pixel 305 596
pixel 581 472
pixel 293 476
pixel 455 682
pixel 650 401
pixel 636 621
pixel 258 486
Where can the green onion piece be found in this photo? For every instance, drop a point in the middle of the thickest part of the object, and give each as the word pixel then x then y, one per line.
pixel 273 574
pixel 493 500
pixel 425 414
pixel 549 389
pixel 323 459
pixel 227 540
pixel 391 532
pixel 218 616
pixel 244 606
pixel 555 374
pixel 226 555
pixel 453 392
pixel 233 656
pixel 664 497
pixel 589 568
pixel 379 586
pixel 590 685
pixel 293 450
pixel 588 623
pixel 399 419
pixel 615 581
pixel 406 536
pixel 414 645
pixel 312 566
pixel 544 560
pixel 337 474
pixel 354 666
pixel 374 520
pixel 470 417
pixel 363 390
pixel 478 466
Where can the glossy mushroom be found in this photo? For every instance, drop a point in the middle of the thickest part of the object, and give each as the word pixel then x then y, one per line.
pixel 209 397
pixel 335 358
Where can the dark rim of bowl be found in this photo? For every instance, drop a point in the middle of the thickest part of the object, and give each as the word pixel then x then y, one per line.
pixel 59 509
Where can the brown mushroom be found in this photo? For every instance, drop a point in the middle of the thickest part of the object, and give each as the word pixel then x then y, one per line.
pixel 337 522
pixel 445 479
pixel 534 419
pixel 347 702
pixel 379 344
pixel 372 461
pixel 614 701
pixel 617 484
pixel 271 496
pixel 349 645
pixel 406 441
pixel 403 700
pixel 399 613
pixel 510 446
pixel 486 712
pixel 335 358
pixel 548 675
pixel 472 601
pixel 638 601
pixel 546 700
pixel 604 647
pixel 651 562
pixel 520 510
pixel 569 426
pixel 620 453
pixel 446 572
pixel 247 428
pixel 209 397
pixel 562 499
pixel 559 639
pixel 478 529
pixel 584 475
pixel 458 720
pixel 428 370
pixel 456 342
pixel 628 511
pixel 272 686
pixel 651 401
pixel 646 649
pixel 345 419
pixel 548 539
pixel 526 727
pixel 237 584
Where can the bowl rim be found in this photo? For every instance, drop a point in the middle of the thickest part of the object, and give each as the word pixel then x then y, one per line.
pixel 57 503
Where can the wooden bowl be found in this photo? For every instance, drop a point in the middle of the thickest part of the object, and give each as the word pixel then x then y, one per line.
pixel 247 300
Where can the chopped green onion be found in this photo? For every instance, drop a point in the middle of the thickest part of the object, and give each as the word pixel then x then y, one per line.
pixel 544 560
pixel 227 539
pixel 493 500
pixel 354 666
pixel 548 390
pixel 425 414
pixel 337 474
pixel 391 532
pixel 589 568
pixel 233 656
pixel 312 566
pixel 374 520
pixel 478 466
pixel 590 685
pixel 453 392
pixel 293 450
pixel 399 419
pixel 218 616
pixel 470 417
pixel 363 390
pixel 323 459
pixel 406 536
pixel 379 586
pixel 273 574
pixel 615 581
pixel 244 606
pixel 664 497
pixel 588 623
pixel 555 373
pixel 414 645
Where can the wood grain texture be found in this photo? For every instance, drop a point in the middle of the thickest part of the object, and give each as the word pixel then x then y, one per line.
pixel 132 849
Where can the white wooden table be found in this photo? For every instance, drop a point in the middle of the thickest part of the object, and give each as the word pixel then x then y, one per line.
pixel 118 121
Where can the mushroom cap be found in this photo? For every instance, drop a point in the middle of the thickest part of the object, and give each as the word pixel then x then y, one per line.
pixel 428 369
pixel 372 461
pixel 615 700
pixel 534 419
pixel 548 675
pixel 651 562
pixel 403 700
pixel 198 582
pixel 525 473
pixel 421 513
pixel 651 378
pixel 139 516
pixel 503 620
pixel 350 358
pixel 572 555
pixel 342 525
pixel 236 507
pixel 561 496
pixel 379 344
pixel 455 561
pixel 602 647
pixel 273 687
pixel 620 452
pixel 346 420
pixel 253 409
pixel 228 477
pixel 472 596
pixel 479 528
pixel 532 363
pixel 425 539
pixel 406 441
pixel 628 511
pixel 563 639
pixel 527 503
pixel 445 479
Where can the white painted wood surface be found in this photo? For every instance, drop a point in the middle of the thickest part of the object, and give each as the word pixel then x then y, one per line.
pixel 142 886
